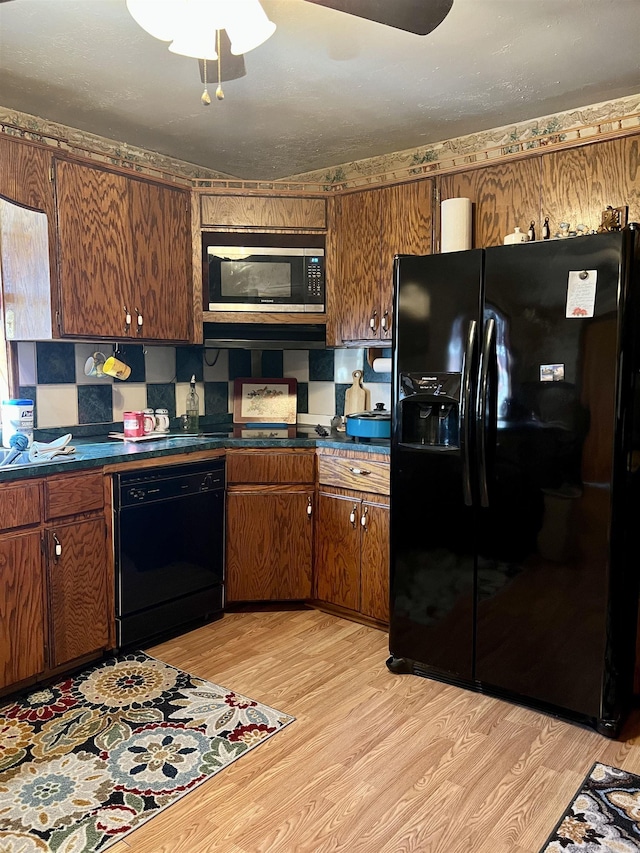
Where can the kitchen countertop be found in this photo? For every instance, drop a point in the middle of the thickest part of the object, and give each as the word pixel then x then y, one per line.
pixel 96 451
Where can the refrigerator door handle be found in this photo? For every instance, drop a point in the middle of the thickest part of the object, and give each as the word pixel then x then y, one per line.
pixel 466 401
pixel 483 398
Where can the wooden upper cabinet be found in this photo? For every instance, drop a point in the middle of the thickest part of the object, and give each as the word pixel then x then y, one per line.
pixel 504 196
pixel 249 211
pixel 124 249
pixel 93 250
pixel 369 228
pixel 25 174
pixel 162 260
pixel 579 183
pixel 353 294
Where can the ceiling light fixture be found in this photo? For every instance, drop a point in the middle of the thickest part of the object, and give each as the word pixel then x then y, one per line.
pixel 193 27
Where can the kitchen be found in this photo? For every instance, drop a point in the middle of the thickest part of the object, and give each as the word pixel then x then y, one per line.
pixel 480 769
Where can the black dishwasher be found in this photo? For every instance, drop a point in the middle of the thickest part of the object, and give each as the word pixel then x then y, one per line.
pixel 169 546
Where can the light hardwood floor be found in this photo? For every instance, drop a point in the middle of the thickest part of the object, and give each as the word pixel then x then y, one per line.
pixel 375 762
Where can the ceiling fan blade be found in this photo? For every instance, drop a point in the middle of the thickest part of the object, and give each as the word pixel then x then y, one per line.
pixel 415 16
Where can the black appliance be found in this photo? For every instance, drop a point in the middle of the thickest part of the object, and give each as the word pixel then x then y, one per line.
pixel 268 278
pixel 169 543
pixel 515 452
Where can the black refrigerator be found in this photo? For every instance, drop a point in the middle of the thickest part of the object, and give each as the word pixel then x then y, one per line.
pixel 515 465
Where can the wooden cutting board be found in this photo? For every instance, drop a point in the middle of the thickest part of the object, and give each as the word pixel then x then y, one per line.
pixel 356 398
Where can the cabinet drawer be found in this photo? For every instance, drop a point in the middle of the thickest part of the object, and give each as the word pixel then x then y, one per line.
pixel 19 504
pixel 262 212
pixel 270 468
pixel 365 475
pixel 68 495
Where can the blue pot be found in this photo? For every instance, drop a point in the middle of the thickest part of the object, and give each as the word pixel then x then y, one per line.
pixel 376 424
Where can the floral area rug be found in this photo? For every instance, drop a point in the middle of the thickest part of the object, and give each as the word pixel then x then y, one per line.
pixel 89 759
pixel 604 816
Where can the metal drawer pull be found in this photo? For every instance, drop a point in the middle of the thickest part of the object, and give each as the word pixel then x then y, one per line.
pixel 362 471
pixel 58 548
pixel 363 517
pixel 352 517
pixel 309 507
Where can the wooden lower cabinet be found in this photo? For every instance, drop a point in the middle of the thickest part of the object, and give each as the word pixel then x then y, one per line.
pixel 269 545
pixel 352 552
pixel 56 576
pixel 77 579
pixel 22 619
pixel 269 551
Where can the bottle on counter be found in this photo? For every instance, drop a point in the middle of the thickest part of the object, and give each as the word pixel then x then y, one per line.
pixel 193 408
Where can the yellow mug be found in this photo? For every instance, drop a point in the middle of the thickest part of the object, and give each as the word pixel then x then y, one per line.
pixel 117 368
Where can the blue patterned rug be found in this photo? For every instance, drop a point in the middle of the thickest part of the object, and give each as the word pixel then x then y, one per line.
pixel 604 816
pixel 87 760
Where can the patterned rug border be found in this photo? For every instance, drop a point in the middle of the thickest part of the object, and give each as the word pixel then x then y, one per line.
pixel 570 846
pixel 284 720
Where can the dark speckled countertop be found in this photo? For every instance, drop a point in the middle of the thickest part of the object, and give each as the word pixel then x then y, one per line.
pixel 94 452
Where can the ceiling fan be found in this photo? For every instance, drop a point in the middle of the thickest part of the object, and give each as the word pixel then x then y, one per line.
pixel 415 16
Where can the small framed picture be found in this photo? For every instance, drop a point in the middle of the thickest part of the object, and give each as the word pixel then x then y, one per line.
pixel 271 401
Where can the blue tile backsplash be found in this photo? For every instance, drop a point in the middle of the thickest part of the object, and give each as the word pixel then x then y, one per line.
pixel 52 374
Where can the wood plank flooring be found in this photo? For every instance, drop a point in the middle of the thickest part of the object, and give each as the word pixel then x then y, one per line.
pixel 375 762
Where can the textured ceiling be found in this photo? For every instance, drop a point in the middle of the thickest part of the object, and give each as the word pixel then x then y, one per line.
pixel 327 88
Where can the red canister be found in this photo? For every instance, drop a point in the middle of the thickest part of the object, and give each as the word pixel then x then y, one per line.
pixel 133 424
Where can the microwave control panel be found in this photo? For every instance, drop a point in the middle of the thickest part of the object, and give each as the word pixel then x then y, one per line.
pixel 314 268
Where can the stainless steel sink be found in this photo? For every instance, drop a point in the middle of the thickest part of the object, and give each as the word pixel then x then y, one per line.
pixel 22 460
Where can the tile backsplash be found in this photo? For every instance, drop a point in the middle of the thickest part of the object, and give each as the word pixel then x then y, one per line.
pixel 52 374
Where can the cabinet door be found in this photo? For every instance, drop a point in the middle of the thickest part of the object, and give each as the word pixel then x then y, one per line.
pixel 338 550
pixel 161 258
pixel 579 183
pixel 354 291
pixel 22 635
pixel 269 546
pixel 78 595
pixel 374 564
pixel 504 195
pixel 94 250
pixel 405 229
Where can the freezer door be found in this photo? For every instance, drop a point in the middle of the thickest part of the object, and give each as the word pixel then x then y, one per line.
pixel 432 518
pixel 543 595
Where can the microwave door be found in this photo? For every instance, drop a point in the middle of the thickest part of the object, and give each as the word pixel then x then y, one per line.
pixel 265 279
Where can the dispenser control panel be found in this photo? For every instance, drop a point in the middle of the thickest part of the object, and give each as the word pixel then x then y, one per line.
pixel 432 384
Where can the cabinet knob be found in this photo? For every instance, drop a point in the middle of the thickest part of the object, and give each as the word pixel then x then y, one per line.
pixel 352 516
pixel 384 323
pixel 139 322
pixel 127 319
pixel 309 507
pixel 361 472
pixel 363 517
pixel 373 322
pixel 58 546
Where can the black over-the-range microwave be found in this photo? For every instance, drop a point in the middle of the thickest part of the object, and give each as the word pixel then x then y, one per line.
pixel 266 279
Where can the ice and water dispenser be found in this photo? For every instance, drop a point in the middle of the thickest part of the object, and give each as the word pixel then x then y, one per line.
pixel 429 406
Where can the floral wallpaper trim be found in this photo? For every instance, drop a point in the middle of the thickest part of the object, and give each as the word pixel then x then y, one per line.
pixel 571 126
pixel 99 148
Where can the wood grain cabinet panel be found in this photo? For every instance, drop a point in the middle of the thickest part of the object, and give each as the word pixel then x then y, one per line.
pixel 368 228
pixel 19 504
pixel 337 556
pixel 124 248
pixel 79 601
pixel 25 174
pixel 504 196
pixel 22 619
pixel 579 183
pixel 249 211
pixel 352 552
pixel 269 545
pixel 73 493
pixel 267 467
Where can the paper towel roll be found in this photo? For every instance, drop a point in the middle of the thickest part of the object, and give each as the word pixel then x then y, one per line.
pixel 382 365
pixel 455 225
